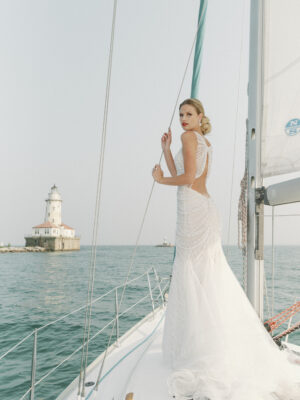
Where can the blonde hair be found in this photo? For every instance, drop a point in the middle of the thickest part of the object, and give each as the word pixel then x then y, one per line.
pixel 205 123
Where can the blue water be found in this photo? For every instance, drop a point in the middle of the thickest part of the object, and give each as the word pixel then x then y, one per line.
pixel 36 288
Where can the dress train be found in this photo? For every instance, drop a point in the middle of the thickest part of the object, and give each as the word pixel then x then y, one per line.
pixel 213 339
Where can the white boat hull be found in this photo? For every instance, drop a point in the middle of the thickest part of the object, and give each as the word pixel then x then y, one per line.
pixel 134 365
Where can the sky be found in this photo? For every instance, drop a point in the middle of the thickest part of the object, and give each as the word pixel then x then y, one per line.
pixel 54 59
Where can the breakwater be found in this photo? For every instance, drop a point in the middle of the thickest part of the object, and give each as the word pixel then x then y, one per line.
pixel 11 249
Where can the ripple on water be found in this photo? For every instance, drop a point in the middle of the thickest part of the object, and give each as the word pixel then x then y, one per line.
pixel 36 288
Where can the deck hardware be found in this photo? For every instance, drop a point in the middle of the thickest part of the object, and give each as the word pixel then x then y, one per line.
pixel 117 316
pixel 87 384
pixel 259 226
pixel 158 282
pixel 150 291
pixel 33 365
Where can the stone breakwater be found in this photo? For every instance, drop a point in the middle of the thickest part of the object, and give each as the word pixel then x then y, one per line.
pixel 10 249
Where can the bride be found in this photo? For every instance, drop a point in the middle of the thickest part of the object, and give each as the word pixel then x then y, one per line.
pixel 213 339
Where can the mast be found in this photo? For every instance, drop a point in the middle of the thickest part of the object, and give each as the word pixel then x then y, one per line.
pixel 199 48
pixel 255 225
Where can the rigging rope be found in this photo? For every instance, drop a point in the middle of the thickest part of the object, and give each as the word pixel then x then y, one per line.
pixel 274 322
pixel 242 223
pixel 287 331
pixel 235 125
pixel 243 216
pixel 273 258
pixel 267 296
pixel 88 313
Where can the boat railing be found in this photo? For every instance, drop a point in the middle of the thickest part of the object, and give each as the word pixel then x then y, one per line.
pixel 156 293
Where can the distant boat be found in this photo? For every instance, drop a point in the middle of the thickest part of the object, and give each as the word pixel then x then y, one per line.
pixel 165 244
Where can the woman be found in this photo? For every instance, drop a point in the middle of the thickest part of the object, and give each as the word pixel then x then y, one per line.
pixel 213 338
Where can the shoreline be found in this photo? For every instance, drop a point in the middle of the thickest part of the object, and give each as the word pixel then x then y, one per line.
pixel 21 249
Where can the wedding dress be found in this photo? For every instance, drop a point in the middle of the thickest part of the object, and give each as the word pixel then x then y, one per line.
pixel 213 339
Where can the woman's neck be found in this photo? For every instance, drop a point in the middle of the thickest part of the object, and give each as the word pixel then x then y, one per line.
pixel 199 130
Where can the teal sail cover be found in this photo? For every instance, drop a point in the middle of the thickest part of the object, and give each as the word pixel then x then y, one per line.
pixel 199 49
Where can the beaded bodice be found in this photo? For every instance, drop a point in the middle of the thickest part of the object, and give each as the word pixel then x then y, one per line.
pixel 203 151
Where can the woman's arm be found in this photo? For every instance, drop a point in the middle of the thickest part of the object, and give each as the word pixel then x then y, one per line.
pixel 170 161
pixel 189 147
pixel 166 141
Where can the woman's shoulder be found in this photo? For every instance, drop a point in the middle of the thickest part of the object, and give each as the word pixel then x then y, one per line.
pixel 188 136
pixel 193 135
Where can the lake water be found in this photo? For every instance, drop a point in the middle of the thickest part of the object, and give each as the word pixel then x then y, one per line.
pixel 36 288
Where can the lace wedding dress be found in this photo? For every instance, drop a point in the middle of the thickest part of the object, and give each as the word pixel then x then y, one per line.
pixel 213 339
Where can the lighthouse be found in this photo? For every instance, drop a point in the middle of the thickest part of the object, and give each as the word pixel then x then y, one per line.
pixel 52 234
pixel 53 207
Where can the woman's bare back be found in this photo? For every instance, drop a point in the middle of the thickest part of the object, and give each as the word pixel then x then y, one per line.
pixel 199 184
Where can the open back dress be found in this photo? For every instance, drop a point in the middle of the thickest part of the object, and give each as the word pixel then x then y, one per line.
pixel 213 339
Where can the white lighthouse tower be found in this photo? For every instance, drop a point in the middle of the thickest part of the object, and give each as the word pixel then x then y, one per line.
pixel 52 233
pixel 53 207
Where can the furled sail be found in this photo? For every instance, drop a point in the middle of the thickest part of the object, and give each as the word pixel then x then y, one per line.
pixel 280 147
pixel 198 49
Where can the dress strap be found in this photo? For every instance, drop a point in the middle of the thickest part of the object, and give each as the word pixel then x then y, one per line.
pixel 202 138
pixel 201 157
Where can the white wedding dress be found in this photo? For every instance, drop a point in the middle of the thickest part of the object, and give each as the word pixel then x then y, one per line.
pixel 213 339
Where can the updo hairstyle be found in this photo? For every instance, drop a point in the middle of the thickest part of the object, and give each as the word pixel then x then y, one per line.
pixel 205 123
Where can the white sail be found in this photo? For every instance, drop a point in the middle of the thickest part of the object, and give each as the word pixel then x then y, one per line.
pixel 280 150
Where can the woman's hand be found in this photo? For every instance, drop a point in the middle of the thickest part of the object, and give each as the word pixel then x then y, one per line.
pixel 157 173
pixel 166 140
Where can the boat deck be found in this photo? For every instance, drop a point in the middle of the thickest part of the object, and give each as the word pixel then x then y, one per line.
pixel 134 366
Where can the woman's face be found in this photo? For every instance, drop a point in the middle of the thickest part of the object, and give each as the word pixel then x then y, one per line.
pixel 189 118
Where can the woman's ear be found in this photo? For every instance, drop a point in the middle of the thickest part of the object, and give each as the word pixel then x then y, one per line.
pixel 200 117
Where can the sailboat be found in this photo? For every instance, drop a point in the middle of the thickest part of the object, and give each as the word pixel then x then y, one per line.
pixel 130 367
